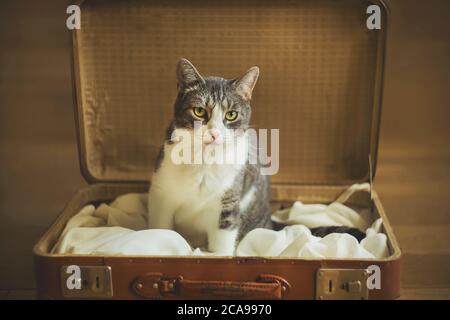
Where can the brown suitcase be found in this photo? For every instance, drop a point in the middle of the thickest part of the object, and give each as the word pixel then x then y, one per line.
pixel 321 85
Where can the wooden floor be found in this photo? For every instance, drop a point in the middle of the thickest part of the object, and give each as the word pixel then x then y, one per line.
pixel 413 184
pixel 407 294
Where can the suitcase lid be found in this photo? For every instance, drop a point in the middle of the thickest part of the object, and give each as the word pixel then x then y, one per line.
pixel 320 81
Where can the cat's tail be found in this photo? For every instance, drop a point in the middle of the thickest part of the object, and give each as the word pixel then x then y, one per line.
pixel 323 231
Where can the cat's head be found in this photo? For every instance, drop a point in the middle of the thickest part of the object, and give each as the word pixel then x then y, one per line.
pixel 220 105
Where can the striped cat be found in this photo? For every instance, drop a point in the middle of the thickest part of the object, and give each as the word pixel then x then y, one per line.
pixel 212 205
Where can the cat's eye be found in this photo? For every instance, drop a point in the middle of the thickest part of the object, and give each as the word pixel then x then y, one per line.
pixel 199 112
pixel 231 115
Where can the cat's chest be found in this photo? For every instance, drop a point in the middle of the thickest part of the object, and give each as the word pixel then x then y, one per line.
pixel 199 209
pixel 197 188
pixel 199 197
pixel 203 190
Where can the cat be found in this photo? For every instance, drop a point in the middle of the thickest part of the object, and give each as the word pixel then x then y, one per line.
pixel 212 205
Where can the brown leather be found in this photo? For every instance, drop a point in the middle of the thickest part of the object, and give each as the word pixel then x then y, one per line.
pixel 156 285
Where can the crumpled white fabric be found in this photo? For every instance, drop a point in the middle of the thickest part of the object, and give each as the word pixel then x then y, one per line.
pixel 297 241
pixel 120 228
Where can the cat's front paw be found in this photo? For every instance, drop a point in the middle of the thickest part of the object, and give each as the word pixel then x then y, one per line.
pixel 222 242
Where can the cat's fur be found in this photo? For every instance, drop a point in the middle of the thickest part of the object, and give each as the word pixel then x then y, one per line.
pixel 211 205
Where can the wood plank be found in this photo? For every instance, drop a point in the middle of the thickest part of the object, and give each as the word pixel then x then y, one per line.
pixel 3 294
pixel 45 192
pixel 413 185
pixel 425 240
pixel 426 270
pixel 425 294
pixel 27 294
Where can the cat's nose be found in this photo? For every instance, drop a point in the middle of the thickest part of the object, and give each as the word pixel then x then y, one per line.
pixel 216 136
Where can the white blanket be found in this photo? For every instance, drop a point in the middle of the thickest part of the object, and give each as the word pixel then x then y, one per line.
pixel 120 228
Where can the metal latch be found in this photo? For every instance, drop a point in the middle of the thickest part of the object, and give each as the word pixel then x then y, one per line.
pixel 86 282
pixel 342 284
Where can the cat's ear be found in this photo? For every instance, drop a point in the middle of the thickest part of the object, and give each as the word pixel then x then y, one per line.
pixel 188 76
pixel 245 84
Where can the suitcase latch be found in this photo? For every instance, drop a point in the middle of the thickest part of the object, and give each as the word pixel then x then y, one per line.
pixel 86 282
pixel 342 284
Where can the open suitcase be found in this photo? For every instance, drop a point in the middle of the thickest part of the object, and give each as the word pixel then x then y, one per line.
pixel 320 84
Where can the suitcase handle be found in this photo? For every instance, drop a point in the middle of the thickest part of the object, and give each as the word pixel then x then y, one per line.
pixel 156 285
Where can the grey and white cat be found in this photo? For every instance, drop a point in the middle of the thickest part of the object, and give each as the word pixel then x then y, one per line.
pixel 212 205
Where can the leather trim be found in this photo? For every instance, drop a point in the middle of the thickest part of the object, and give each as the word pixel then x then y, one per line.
pixel 156 286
